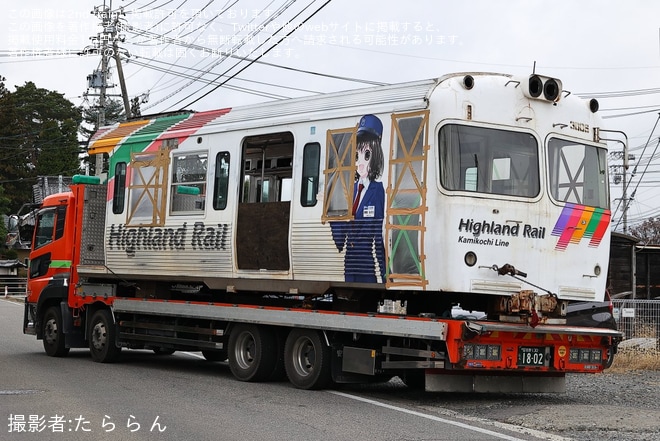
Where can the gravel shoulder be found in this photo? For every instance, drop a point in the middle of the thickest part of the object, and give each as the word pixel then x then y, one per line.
pixel 604 407
pixel 608 406
pixel 612 406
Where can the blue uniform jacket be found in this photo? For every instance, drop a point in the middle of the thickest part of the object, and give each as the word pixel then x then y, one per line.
pixel 362 237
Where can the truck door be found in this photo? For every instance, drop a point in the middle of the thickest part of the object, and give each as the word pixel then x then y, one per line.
pixel 264 210
pixel 51 248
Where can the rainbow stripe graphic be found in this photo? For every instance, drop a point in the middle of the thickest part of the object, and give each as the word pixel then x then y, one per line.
pixel 577 222
pixel 122 139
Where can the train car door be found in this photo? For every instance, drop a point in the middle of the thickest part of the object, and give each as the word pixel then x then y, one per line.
pixel 264 209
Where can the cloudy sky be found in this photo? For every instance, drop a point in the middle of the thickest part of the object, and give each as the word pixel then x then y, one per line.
pixel 175 53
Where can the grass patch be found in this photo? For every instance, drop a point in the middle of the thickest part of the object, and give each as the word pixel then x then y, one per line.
pixel 635 358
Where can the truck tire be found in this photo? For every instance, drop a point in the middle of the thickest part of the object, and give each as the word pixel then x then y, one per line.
pixel 610 357
pixel 53 333
pixel 307 359
pixel 252 352
pixel 102 337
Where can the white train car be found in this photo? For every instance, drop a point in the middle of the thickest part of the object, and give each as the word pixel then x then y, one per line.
pixel 472 180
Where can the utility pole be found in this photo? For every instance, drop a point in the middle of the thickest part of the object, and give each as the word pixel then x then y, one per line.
pixel 626 164
pixel 105 44
pixel 105 15
pixel 122 81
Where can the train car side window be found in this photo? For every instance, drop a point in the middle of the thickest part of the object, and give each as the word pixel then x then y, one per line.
pixel 221 184
pixel 188 192
pixel 486 160
pixel 310 174
pixel 119 197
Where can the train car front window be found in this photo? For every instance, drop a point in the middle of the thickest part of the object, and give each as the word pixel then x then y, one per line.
pixel 578 173
pixel 488 160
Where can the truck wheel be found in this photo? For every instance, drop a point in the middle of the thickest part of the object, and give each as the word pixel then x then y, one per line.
pixel 54 333
pixel 307 359
pixel 102 337
pixel 610 357
pixel 252 352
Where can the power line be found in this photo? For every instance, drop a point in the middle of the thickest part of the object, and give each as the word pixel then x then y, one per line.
pixel 237 88
pixel 260 56
pixel 170 69
pixel 620 93
pixel 232 50
pixel 224 8
pixel 632 197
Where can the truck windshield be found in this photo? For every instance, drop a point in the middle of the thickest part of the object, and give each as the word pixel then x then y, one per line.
pixel 489 160
pixel 578 173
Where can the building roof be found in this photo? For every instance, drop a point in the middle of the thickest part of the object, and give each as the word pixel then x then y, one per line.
pixel 12 264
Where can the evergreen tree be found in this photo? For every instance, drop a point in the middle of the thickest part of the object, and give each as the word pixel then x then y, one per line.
pixel 38 136
pixel 114 113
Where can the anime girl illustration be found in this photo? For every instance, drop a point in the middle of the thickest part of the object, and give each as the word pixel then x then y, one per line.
pixel 362 237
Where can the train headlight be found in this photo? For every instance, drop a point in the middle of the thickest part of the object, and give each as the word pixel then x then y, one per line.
pixel 542 88
pixel 470 258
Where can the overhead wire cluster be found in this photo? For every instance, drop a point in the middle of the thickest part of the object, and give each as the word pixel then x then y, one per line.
pixel 182 84
pixel 644 173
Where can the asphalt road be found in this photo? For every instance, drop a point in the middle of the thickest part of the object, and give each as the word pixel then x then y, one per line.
pixel 183 397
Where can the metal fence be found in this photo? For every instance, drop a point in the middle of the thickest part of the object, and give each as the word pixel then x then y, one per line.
pixel 639 319
pixel 12 286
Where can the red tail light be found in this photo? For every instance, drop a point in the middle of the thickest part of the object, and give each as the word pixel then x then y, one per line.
pixel 609 299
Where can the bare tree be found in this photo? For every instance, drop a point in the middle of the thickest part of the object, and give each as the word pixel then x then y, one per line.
pixel 648 231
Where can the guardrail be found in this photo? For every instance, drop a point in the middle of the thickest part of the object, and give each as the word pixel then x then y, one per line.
pixel 12 286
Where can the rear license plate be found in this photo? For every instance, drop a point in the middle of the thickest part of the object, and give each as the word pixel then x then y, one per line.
pixel 533 356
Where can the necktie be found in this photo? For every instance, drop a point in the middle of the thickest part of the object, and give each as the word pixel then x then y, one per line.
pixel 356 202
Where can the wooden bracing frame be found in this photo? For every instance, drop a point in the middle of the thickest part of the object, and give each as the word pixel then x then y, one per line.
pixel 341 176
pixel 152 189
pixel 406 206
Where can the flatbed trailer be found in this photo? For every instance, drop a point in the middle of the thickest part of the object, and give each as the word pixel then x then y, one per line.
pixel 246 234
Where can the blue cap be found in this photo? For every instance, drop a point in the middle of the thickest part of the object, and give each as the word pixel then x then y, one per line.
pixel 370 124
